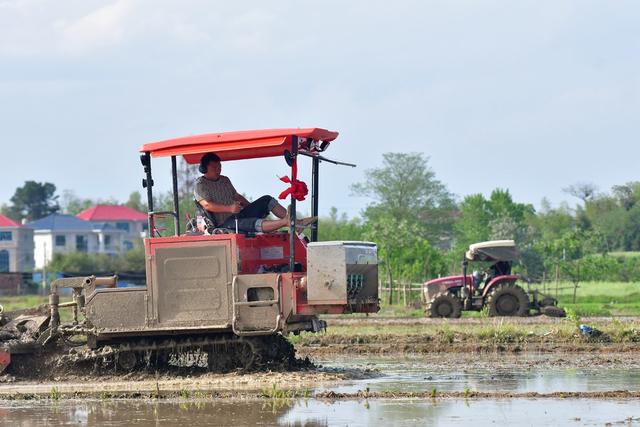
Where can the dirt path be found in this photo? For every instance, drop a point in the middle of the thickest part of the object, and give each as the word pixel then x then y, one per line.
pixel 148 385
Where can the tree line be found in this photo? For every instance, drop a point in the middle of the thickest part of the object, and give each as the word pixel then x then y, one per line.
pixel 422 229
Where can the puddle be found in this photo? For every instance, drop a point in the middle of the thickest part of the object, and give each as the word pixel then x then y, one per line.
pixel 565 412
pixel 525 373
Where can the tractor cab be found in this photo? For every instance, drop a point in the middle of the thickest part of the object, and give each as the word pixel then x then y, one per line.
pixel 499 254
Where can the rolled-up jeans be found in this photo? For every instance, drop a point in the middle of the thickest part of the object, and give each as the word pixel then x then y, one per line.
pixel 251 216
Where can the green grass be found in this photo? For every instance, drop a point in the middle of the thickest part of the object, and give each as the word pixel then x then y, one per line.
pixel 625 254
pixel 599 298
pixel 492 331
pixel 22 301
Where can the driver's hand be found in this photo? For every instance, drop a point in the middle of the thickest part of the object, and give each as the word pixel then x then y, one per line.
pixel 235 207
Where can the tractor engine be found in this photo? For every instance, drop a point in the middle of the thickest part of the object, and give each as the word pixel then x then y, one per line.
pixel 343 274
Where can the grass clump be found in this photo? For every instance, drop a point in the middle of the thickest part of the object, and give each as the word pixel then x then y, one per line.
pixel 55 393
pixel 503 333
pixel 275 392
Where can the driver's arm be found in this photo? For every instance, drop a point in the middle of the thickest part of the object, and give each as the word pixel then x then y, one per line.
pixel 240 198
pixel 217 207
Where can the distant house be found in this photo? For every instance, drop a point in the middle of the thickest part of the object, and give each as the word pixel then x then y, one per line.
pixel 67 233
pixel 16 246
pixel 132 222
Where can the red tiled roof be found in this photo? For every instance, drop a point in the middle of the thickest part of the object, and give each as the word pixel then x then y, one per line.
pixel 112 213
pixel 7 222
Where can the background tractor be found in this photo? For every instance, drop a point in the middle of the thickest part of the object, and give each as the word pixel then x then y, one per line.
pixel 495 287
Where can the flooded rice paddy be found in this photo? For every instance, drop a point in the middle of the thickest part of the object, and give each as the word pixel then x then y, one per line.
pixel 522 373
pixel 517 389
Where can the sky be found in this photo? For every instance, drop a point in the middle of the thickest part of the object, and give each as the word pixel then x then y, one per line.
pixel 526 95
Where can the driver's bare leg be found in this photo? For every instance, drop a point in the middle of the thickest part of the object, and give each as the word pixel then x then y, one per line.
pixel 269 225
pixel 273 225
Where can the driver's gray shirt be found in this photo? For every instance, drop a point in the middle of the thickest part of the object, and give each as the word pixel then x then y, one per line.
pixel 220 191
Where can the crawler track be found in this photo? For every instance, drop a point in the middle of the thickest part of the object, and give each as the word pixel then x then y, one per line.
pixel 219 353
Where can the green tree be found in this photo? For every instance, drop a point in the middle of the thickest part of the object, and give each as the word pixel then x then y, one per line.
pixel 473 222
pixel 82 262
pixel 410 209
pixel 405 188
pixel 34 200
pixel 339 227
pixel 72 204
pixel 498 217
pixel 135 202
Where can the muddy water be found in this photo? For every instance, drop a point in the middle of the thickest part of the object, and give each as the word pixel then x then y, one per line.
pixel 542 373
pixel 522 373
pixel 321 413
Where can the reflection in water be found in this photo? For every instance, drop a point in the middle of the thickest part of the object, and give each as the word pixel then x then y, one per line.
pixel 311 413
pixel 142 413
pixel 487 373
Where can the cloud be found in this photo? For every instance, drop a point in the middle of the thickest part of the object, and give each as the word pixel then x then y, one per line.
pixel 104 27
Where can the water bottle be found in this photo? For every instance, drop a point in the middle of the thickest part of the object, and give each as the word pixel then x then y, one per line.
pixel 200 223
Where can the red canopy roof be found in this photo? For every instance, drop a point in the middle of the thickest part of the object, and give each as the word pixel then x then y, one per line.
pixel 237 145
pixel 7 222
pixel 112 213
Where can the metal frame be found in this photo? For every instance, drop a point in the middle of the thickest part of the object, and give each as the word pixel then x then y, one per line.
pixel 316 159
pixel 147 183
pixel 315 176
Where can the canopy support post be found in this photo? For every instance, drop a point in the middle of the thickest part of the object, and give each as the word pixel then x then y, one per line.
pixel 148 184
pixel 292 224
pixel 315 175
pixel 176 204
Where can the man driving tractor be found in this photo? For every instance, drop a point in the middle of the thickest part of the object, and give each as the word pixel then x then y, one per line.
pixel 216 194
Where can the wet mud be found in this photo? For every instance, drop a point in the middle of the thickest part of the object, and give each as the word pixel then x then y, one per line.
pixel 367 366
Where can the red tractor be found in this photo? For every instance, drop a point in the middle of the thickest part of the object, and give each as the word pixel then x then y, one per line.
pixel 228 295
pixel 494 287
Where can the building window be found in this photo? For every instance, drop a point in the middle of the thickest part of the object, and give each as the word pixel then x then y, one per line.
pixel 61 240
pixel 122 226
pixel 5 235
pixel 4 261
pixel 107 241
pixel 81 243
pixel 127 245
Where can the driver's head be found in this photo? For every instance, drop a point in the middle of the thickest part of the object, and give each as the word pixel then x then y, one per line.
pixel 210 166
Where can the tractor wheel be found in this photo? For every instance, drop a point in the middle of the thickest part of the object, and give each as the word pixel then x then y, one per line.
pixel 553 311
pixel 508 299
pixel 445 304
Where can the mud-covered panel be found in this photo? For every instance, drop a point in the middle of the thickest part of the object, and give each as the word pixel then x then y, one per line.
pixel 326 274
pixel 257 288
pixel 117 310
pixel 192 285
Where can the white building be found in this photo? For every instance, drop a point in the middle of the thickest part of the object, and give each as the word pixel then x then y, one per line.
pixel 133 223
pixel 16 246
pixel 67 233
